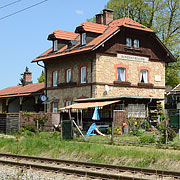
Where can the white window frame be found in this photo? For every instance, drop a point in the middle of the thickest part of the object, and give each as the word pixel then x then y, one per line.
pixel 55 45
pixel 55 78
pixel 121 74
pixel 83 39
pixel 83 74
pixel 136 43
pixel 68 75
pixel 144 76
pixel 54 107
pixel 136 110
pixel 68 103
pixel 129 42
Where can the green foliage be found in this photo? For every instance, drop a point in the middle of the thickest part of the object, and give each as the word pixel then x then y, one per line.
pixel 41 78
pixel 172 75
pixel 30 128
pixel 171 134
pixel 134 123
pixel 41 120
pixel 147 138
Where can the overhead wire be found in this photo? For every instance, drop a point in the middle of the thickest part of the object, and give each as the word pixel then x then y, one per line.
pixel 23 9
pixel 1 7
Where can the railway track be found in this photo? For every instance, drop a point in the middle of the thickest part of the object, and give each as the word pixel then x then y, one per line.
pixel 92 170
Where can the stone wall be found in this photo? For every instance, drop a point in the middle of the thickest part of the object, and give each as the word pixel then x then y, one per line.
pixel 106 70
pixel 102 70
pixel 72 92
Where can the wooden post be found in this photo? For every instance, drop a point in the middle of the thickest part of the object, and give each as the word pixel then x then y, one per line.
pixel 77 118
pixel 69 114
pixel 81 119
pixel 112 133
pixel 37 126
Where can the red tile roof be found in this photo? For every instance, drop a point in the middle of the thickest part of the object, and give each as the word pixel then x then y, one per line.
pixel 106 32
pixel 36 88
pixel 65 35
pixel 93 27
pixel 127 22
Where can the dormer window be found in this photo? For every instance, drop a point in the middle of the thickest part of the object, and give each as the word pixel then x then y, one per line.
pixel 128 42
pixel 132 42
pixel 83 39
pixel 136 43
pixel 55 45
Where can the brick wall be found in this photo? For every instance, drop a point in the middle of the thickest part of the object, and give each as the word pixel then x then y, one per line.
pixel 27 119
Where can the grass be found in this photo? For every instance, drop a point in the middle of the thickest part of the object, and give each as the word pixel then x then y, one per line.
pixel 95 149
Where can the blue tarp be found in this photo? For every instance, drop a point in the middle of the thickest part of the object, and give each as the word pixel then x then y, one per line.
pixel 96 114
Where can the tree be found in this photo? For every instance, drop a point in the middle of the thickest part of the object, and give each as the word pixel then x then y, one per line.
pixel 160 15
pixel 22 76
pixel 41 78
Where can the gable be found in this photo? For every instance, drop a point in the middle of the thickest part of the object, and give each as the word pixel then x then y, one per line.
pixel 150 45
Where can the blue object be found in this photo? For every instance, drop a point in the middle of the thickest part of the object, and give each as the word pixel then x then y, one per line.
pixel 96 114
pixel 91 129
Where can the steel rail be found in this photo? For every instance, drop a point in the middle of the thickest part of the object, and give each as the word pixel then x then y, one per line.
pixel 146 171
pixel 68 171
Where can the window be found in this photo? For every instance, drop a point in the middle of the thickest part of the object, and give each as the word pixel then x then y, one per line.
pixel 55 45
pixel 136 110
pixel 83 38
pixel 68 75
pixel 128 42
pixel 144 76
pixel 55 78
pixel 121 74
pixel 83 74
pixel 136 43
pixel 68 103
pixel 54 107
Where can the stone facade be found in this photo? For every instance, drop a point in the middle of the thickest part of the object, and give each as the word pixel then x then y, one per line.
pixel 102 70
pixel 70 92
pixel 106 73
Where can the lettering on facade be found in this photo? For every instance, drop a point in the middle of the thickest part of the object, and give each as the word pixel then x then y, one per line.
pixel 132 58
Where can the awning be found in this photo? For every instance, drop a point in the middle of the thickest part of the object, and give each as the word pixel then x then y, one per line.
pixel 86 105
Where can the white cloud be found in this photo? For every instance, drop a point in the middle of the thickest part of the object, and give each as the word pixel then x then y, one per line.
pixel 79 12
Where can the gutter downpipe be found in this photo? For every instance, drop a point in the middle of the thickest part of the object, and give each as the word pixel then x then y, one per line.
pixel 45 69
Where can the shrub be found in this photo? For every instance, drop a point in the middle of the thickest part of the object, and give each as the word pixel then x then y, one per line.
pixel 140 132
pixel 28 133
pixel 147 138
pixel 171 134
pixel 30 128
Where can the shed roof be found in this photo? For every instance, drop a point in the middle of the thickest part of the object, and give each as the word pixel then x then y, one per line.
pixel 14 91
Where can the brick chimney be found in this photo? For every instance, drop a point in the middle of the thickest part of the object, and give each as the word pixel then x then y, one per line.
pixel 99 18
pixel 107 16
pixel 27 78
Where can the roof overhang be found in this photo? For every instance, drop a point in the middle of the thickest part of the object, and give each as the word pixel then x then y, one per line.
pixel 86 105
pixel 117 98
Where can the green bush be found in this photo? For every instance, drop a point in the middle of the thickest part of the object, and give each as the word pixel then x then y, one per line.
pixel 28 133
pixel 147 138
pixel 30 128
pixel 140 132
pixel 170 133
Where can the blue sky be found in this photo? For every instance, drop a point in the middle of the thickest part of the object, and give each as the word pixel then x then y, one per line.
pixel 23 36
